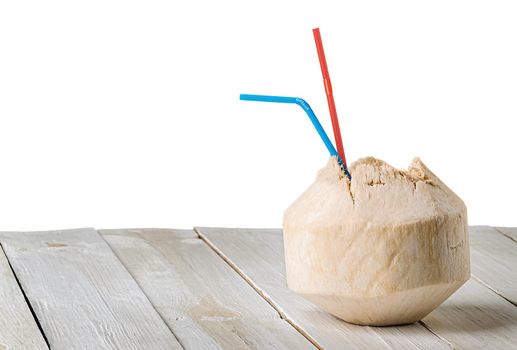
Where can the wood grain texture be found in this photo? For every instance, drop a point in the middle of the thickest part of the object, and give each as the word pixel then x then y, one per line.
pixel 509 232
pixel 200 297
pixel 82 295
pixel 475 318
pixel 494 260
pixel 18 329
pixel 257 254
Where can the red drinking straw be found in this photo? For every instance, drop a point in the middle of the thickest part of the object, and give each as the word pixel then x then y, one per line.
pixel 330 97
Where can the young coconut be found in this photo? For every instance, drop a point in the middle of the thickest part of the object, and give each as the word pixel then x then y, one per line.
pixel 385 248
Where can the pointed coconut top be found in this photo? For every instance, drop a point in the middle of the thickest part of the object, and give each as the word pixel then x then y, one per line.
pixel 378 194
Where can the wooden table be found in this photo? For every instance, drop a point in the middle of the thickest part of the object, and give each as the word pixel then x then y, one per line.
pixel 219 288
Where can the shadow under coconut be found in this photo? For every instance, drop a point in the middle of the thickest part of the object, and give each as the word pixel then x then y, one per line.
pixel 473 308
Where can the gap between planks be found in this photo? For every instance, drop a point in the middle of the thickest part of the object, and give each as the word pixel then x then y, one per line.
pixel 510 232
pixel 25 299
pixel 447 341
pixel 259 291
pixel 492 289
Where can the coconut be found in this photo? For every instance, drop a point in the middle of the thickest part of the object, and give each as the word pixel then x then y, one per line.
pixel 385 248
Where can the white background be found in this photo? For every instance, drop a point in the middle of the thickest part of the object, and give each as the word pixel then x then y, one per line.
pixel 126 113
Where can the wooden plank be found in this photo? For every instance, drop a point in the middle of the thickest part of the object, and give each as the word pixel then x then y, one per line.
pixel 494 261
pixel 258 256
pixel 18 329
pixel 476 318
pixel 200 297
pixel 509 232
pixel 82 295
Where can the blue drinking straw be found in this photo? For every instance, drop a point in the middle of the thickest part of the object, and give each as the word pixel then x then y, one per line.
pixel 302 103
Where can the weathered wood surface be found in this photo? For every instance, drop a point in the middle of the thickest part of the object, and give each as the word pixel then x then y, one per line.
pixel 494 260
pixel 81 294
pixel 200 297
pixel 475 318
pixel 224 291
pixel 18 329
pixel 257 254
